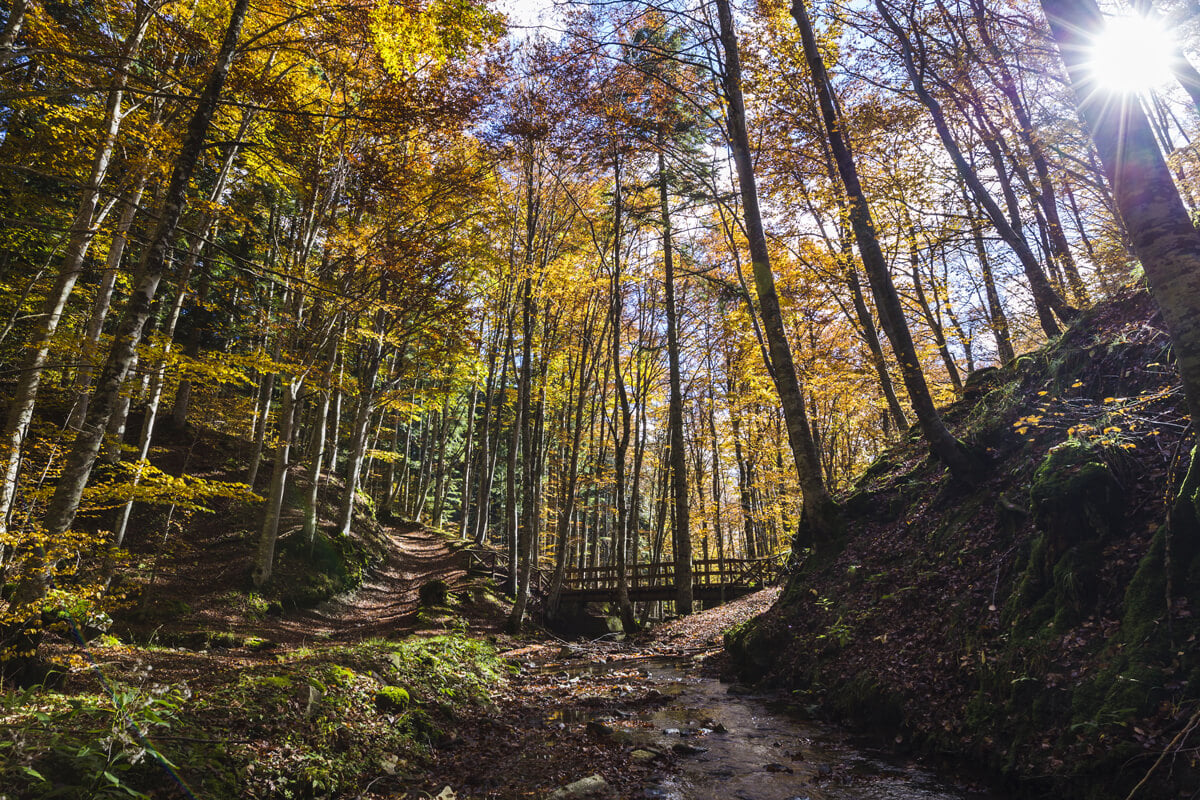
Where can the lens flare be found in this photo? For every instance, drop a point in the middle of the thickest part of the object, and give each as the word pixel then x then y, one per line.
pixel 1132 54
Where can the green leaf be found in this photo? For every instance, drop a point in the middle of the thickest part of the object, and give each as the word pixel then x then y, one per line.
pixel 34 773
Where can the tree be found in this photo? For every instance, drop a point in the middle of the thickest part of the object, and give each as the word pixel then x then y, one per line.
pixel 962 463
pixel 821 525
pixel 1163 236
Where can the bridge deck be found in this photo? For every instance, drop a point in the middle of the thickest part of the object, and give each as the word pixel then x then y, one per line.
pixel 713 580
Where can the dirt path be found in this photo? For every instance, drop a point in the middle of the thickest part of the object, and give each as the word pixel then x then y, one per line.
pixel 386 603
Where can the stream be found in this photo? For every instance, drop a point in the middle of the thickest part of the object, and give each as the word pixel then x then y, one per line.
pixel 733 744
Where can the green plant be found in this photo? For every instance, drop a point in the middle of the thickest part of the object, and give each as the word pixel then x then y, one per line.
pixel 93 746
pixel 839 632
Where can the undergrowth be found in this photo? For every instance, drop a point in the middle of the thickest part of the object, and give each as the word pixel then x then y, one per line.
pixel 312 722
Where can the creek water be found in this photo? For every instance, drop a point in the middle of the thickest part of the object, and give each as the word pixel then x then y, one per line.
pixel 737 745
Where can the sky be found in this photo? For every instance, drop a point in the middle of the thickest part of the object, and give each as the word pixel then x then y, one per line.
pixel 528 13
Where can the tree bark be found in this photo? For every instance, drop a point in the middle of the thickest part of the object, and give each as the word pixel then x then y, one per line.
pixel 679 486
pixel 1161 230
pixel 77 466
pixel 264 558
pixel 79 240
pixel 963 464
pixel 1049 303
pixel 821 523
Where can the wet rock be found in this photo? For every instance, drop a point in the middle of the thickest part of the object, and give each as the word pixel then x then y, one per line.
pixel 672 732
pixel 593 787
pixel 719 728
pixel 722 772
pixel 685 749
pixel 645 755
pixel 778 768
pixel 599 730
pixel 739 689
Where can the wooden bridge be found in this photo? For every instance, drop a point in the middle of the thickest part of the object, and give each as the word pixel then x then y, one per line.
pixel 713 580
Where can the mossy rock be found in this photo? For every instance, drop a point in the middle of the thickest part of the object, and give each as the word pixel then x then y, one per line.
pixel 434 593
pixel 1075 496
pixel 223 639
pixel 391 699
pixel 753 650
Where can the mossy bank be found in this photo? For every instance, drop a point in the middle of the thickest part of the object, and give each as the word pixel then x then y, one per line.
pixel 1040 625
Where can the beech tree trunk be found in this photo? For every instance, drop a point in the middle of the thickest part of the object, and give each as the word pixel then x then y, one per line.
pixel 79 240
pixel 77 466
pixel 1049 303
pixel 264 559
pixel 679 487
pixel 963 465
pixel 821 522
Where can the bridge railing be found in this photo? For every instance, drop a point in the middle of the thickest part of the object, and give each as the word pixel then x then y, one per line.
pixel 494 564
pixel 740 572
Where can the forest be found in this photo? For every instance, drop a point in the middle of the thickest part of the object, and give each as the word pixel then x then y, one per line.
pixel 636 288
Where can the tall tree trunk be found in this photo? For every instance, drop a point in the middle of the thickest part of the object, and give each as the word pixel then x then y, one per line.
pixel 1045 195
pixel 316 455
pixel 523 434
pixel 264 558
pixel 77 466
pixel 821 524
pixel 1049 303
pixel 79 240
pixel 358 438
pixel 679 487
pixel 621 411
pixel 101 305
pixel 567 504
pixel 866 324
pixel 1164 238
pixel 996 317
pixel 962 464
pixel 468 455
pixel 931 319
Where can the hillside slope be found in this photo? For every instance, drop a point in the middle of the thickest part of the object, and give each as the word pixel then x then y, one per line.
pixel 1041 624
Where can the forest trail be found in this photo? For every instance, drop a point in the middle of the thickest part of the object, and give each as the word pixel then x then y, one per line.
pixel 387 601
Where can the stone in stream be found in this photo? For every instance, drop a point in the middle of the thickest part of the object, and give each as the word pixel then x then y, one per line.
pixel 645 755
pixel 593 787
pixel 778 768
pixel 685 749
pixel 599 730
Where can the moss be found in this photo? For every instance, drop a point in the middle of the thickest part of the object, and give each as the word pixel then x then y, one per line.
pixel 315 573
pixel 338 675
pixel 224 639
pixel 1075 496
pixel 752 648
pixel 391 699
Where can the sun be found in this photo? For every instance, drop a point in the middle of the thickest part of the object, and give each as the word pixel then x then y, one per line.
pixel 1132 54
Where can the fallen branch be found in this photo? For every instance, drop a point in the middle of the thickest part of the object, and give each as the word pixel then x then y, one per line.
pixel 1175 744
